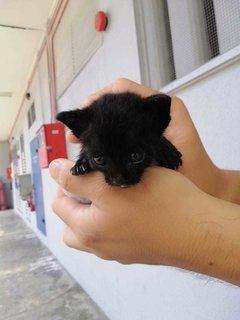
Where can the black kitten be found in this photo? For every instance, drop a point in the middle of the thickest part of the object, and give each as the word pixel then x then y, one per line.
pixel 122 135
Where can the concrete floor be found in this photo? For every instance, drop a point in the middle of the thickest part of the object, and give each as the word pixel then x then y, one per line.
pixel 33 285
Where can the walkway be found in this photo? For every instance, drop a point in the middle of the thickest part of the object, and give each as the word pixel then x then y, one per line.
pixel 33 285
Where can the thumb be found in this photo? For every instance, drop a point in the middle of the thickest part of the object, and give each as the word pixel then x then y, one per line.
pixel 87 186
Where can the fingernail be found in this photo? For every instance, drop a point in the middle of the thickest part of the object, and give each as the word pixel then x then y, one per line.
pixel 54 167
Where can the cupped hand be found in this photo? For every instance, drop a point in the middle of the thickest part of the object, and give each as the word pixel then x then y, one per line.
pixel 142 224
pixel 197 165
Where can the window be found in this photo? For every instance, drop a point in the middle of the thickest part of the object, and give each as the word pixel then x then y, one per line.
pixel 22 143
pixel 31 115
pixel 75 41
pixel 22 152
pixel 176 37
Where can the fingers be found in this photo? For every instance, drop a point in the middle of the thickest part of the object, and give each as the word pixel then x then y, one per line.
pixel 118 86
pixel 79 224
pixel 69 210
pixel 80 228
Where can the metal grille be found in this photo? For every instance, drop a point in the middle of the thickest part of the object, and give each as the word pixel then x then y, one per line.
pixel 211 27
pixel 192 32
pixel 201 30
pixel 227 15
pixel 169 41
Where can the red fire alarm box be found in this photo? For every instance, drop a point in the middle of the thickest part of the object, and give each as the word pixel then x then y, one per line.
pixel 9 173
pixel 51 143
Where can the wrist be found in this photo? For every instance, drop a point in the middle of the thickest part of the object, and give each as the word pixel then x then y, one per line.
pixel 219 183
pixel 229 186
pixel 217 248
pixel 210 240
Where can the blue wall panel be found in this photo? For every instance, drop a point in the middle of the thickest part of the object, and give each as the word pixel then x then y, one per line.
pixel 37 186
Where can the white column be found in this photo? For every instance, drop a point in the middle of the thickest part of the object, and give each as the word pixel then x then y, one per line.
pixel 189 35
pixel 152 27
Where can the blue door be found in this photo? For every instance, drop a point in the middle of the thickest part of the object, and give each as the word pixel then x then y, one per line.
pixel 37 186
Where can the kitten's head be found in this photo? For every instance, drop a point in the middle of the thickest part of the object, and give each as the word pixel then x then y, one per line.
pixel 119 133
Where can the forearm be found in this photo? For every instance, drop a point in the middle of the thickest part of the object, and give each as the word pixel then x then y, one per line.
pixel 212 246
pixel 204 232
pixel 165 219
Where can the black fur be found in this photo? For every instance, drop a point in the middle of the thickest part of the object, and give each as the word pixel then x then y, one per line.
pixel 122 135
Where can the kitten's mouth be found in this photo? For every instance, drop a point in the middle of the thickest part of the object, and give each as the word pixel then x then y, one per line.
pixel 119 185
pixel 125 185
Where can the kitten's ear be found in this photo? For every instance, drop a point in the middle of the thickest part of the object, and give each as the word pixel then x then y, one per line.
pixel 77 120
pixel 158 109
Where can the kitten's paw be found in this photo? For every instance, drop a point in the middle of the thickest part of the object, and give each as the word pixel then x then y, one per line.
pixel 169 156
pixel 171 159
pixel 174 160
pixel 80 167
pixel 176 163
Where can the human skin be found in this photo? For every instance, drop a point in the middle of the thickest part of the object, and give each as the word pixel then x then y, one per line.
pixel 197 165
pixel 165 219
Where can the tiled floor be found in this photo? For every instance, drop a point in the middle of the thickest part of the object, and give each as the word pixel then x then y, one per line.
pixel 33 285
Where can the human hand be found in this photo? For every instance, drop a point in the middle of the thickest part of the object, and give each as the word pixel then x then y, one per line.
pixel 141 224
pixel 181 131
pixel 165 219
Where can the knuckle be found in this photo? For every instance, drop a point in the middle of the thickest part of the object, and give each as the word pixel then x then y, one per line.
pixel 120 80
pixel 88 100
pixel 88 240
pixel 119 83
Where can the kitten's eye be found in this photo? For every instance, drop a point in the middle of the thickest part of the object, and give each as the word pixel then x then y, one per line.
pixel 137 157
pixel 100 161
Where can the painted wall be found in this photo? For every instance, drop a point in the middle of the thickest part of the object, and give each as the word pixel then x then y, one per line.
pixel 40 97
pixel 214 104
pixel 138 291
pixel 144 292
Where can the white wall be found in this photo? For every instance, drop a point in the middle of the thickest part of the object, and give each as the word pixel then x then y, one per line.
pixel 214 104
pixel 40 96
pixel 138 291
pixel 144 292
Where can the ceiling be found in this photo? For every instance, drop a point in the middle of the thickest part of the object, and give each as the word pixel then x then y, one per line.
pixel 22 29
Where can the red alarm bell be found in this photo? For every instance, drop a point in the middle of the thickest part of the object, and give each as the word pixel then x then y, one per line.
pixel 101 21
